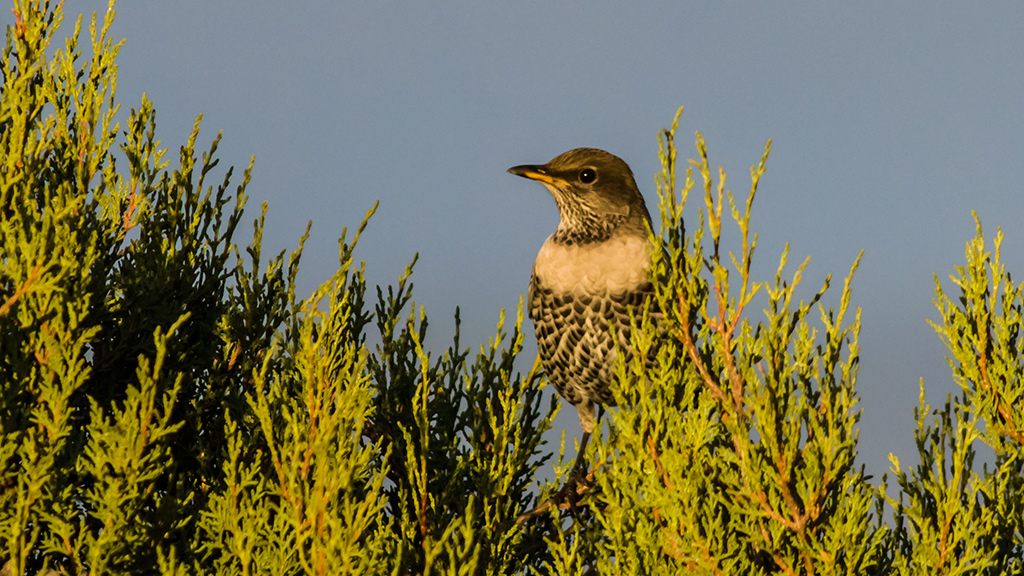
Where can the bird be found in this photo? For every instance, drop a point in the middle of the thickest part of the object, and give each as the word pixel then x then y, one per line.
pixel 588 275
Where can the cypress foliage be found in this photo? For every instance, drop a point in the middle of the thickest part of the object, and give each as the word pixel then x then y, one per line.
pixel 951 518
pixel 170 405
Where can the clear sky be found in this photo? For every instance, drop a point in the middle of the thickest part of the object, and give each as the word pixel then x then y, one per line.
pixel 891 122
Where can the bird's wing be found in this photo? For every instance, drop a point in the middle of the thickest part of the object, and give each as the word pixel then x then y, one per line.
pixel 532 300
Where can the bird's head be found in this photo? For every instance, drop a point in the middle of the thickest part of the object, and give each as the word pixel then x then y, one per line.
pixel 595 192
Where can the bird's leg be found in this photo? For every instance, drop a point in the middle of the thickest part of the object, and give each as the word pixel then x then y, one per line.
pixel 587 414
pixel 579 480
pixel 577 475
pixel 581 455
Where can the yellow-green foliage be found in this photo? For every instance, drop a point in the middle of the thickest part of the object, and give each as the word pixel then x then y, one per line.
pixel 169 405
pixel 951 518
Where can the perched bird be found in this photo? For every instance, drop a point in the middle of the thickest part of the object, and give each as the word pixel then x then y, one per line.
pixel 588 274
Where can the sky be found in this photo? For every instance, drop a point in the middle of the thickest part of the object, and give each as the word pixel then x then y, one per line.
pixel 890 123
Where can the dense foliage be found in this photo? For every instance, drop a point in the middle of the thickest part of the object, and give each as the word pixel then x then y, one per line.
pixel 169 404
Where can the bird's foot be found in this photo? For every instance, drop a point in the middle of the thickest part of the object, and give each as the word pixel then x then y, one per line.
pixel 580 482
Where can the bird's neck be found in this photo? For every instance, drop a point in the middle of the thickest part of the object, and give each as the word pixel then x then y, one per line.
pixel 586 228
pixel 578 227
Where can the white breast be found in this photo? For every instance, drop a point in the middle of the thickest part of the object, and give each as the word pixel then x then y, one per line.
pixel 613 266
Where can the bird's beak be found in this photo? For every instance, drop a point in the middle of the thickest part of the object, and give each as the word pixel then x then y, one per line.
pixel 535 172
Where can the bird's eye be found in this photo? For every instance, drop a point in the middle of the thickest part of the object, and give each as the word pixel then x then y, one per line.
pixel 588 175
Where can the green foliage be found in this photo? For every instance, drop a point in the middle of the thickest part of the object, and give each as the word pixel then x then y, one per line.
pixel 954 520
pixel 169 404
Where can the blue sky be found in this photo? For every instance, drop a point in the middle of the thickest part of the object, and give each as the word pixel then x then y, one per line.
pixel 890 121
